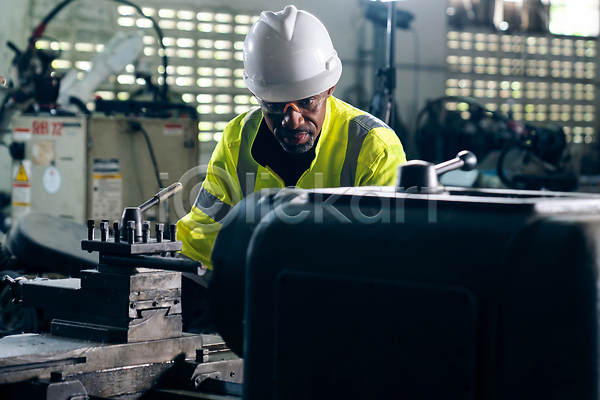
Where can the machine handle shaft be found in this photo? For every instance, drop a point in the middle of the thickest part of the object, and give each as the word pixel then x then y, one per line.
pixel 465 160
pixel 162 196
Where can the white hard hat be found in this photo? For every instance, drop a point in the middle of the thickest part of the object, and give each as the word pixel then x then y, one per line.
pixel 288 55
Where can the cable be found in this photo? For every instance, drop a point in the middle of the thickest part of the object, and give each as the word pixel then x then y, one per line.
pixel 137 127
pixel 77 102
pixel 159 33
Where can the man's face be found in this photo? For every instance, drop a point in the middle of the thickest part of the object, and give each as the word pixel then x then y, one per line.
pixel 296 125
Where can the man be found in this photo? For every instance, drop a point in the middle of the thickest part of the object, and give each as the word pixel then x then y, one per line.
pixel 299 136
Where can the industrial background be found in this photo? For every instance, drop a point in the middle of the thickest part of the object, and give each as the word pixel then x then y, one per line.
pixel 526 62
pixel 484 285
pixel 203 41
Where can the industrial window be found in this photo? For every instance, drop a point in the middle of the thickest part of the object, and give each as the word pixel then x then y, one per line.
pixel 535 78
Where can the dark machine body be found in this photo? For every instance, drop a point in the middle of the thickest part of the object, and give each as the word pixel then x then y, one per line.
pixel 440 293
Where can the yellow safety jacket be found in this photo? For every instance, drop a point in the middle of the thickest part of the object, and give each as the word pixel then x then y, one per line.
pixel 354 149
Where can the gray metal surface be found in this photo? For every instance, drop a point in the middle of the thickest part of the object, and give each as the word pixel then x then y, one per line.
pixel 127 248
pixel 123 371
pixel 36 356
pixel 110 307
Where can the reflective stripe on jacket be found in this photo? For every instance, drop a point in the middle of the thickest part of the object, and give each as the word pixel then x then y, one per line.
pixel 354 149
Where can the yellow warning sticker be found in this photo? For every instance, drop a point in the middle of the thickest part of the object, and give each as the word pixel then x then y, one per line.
pixel 21 175
pixel 106 176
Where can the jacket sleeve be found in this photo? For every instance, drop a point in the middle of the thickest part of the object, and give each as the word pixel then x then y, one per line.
pixel 379 159
pixel 219 192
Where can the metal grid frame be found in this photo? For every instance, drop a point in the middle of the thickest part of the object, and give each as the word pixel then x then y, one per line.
pixel 536 78
pixel 203 43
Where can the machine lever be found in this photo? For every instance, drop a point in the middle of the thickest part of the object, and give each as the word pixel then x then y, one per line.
pixel 465 161
pixel 135 213
pixel 162 196
pixel 422 176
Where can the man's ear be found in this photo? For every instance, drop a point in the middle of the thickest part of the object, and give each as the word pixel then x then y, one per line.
pixel 330 91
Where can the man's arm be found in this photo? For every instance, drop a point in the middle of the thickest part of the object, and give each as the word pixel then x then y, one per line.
pixel 379 158
pixel 219 192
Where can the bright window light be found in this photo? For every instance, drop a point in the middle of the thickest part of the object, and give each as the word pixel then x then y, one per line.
pixel 185 26
pixel 126 21
pixel 184 14
pixel 223 17
pixel 575 17
pixel 106 95
pixel 166 13
pixel 85 47
pixel 184 81
pixel 169 41
pixel 204 82
pixel 184 70
pixel 221 125
pixel 204 98
pixel 42 44
pixel 126 10
pixel 143 23
pixel 205 126
pixel 61 64
pixel 187 97
pixel 205 137
pixel 167 24
pixel 242 19
pixel 126 79
pixel 223 28
pixel 83 65
pixel 205 27
pixel 185 42
pixel 205 16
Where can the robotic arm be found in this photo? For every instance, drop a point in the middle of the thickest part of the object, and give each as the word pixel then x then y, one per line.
pixel 122 49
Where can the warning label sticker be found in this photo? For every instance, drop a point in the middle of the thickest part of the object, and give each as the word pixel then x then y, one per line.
pixel 107 189
pixel 21 195
pixel 21 133
pixel 21 171
pixel 21 189
pixel 173 129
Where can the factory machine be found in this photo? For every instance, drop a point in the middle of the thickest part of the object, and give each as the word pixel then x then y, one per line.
pixel 75 164
pixel 80 167
pixel 415 291
pixel 116 330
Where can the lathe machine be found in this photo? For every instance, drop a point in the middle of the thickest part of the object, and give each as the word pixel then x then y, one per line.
pixel 417 291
